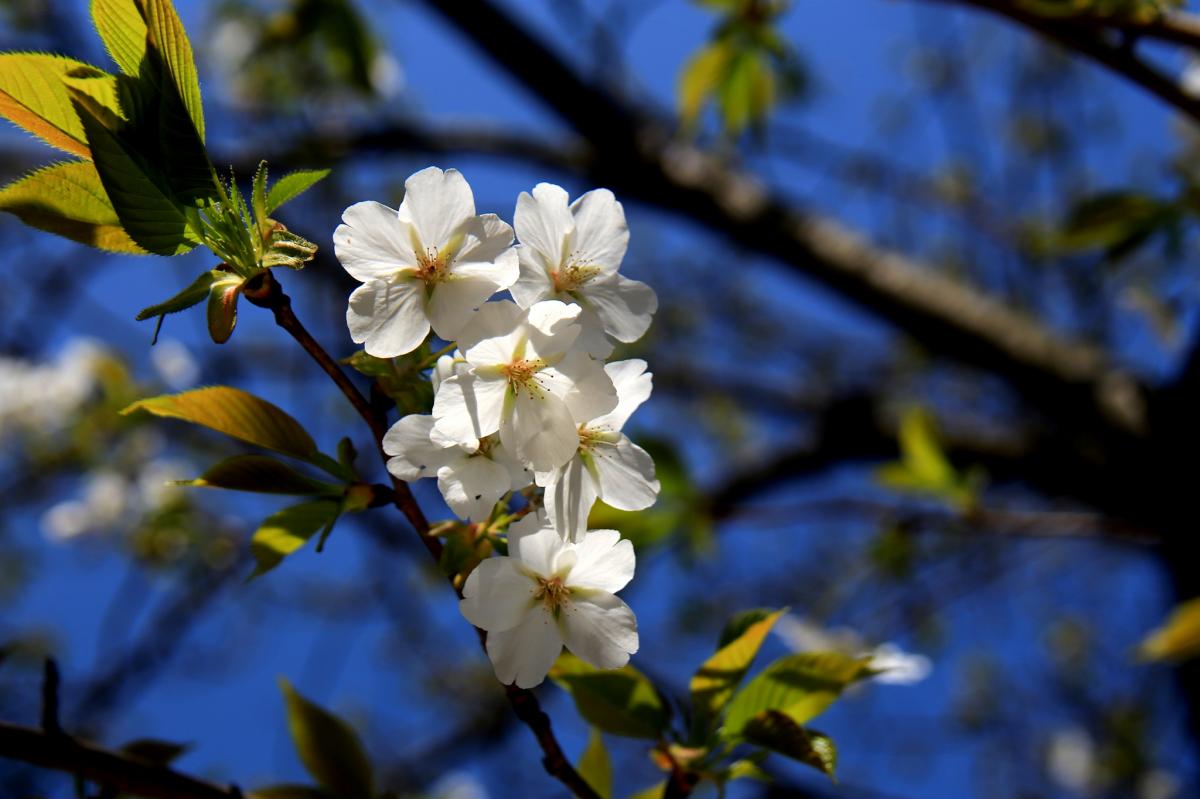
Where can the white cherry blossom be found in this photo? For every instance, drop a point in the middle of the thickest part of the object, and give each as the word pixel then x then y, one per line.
pixel 430 263
pixel 572 253
pixel 549 592
pixel 606 464
pixel 524 380
pixel 472 479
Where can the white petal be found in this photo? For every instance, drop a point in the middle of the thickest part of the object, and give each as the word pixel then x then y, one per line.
pixel 466 408
pixel 439 204
pixel 544 222
pixel 453 303
pixel 388 318
pixel 537 550
pixel 524 654
pixel 496 596
pixel 372 242
pixel 569 497
pixel 625 306
pixel 604 562
pixel 534 282
pixel 447 366
pixel 489 243
pixel 633 384
pixel 625 473
pixel 583 385
pixel 492 334
pixel 592 338
pixel 600 629
pixel 414 455
pixel 519 474
pixel 601 236
pixel 472 486
pixel 540 429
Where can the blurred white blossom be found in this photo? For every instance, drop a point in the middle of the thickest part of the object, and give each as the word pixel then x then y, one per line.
pixel 895 666
pixel 1071 759
pixel 41 398
pixel 174 364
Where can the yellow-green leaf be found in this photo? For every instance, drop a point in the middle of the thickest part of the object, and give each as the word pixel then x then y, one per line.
pixel 260 474
pixel 714 683
pixel 779 731
pixel 619 701
pixel 655 791
pixel 1179 637
pixel 34 95
pixel 235 413
pixel 328 747
pixel 292 185
pixel 69 200
pixel 595 766
pixel 700 78
pixel 122 28
pixel 290 529
pixel 194 294
pixel 801 685
pixel 923 466
pixel 165 32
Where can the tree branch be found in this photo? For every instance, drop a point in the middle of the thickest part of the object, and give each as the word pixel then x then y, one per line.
pixel 110 769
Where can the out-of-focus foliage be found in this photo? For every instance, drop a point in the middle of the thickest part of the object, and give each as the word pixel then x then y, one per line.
pixel 1179 637
pixel 1136 10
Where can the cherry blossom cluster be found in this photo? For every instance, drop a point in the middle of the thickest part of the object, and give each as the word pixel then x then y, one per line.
pixel 524 404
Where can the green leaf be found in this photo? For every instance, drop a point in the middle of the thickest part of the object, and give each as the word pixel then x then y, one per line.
pixel 258 199
pixel 328 747
pixel 747 768
pixel 618 701
pixel 801 685
pixel 34 96
pixel 161 753
pixel 924 467
pixel 700 78
pixel 235 413
pixel 122 28
pixel 147 212
pixel 222 306
pixel 194 294
pixel 595 766
pixel 399 378
pixel 1179 637
pixel 68 199
pixel 288 530
pixel 292 185
pixel 779 732
pixel 655 791
pixel 166 34
pixel 714 683
pixel 261 474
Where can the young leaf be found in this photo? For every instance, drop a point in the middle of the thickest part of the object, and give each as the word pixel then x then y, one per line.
pixel 122 28
pixel 800 685
pixel 258 199
pixel 328 747
pixel 923 466
pixel 222 306
pixel 653 792
pixel 194 294
pixel 260 474
pixel 620 701
pixel 700 78
pixel 779 732
pixel 714 683
pixel 292 185
pixel 169 39
pixel 148 214
pixel 595 766
pixel 235 413
pixel 1178 639
pixel 288 530
pixel 34 96
pixel 69 200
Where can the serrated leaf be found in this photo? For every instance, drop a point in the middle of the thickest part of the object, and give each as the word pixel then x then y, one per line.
pixel 292 185
pixel 258 199
pixel 715 681
pixel 122 28
pixel 328 747
pixel 147 213
pixel 161 753
pixel 194 294
pixel 595 766
pixel 261 474
pixel 1179 637
pixel 68 199
pixel 34 96
pixel 619 701
pixel 235 413
pixel 286 531
pixel 222 306
pixel 166 34
pixel 779 732
pixel 802 685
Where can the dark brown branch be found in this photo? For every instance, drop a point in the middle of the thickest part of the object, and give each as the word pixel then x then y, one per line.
pixel 267 293
pixel 125 774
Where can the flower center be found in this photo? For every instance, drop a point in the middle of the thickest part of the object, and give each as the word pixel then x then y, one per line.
pixel 552 593
pixel 574 274
pixel 432 266
pixel 522 373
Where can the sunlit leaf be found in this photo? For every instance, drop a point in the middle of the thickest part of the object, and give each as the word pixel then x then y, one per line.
pixel 68 199
pixel 923 466
pixel 619 701
pixel 715 681
pixel 235 413
pixel 258 473
pixel 122 28
pixel 700 78
pixel 802 685
pixel 288 530
pixel 169 39
pixel 595 766
pixel 292 185
pixel 1179 637
pixel 328 747
pixel 655 791
pixel 34 95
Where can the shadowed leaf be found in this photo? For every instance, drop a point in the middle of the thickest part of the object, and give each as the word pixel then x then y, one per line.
pixel 329 748
pixel 619 701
